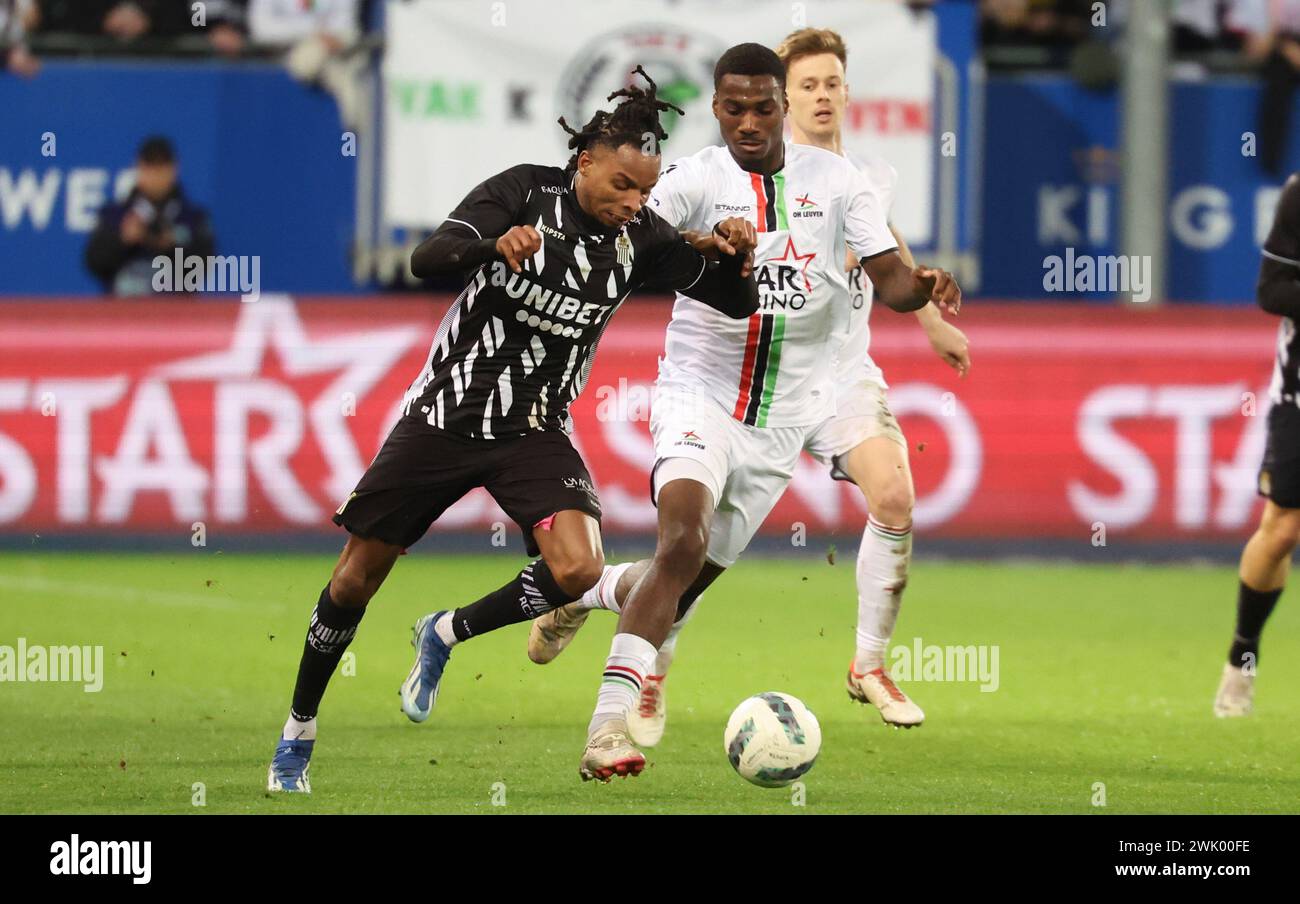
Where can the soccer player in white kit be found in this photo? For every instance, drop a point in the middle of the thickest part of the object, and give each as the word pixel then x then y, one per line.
pixel 862 442
pixel 734 406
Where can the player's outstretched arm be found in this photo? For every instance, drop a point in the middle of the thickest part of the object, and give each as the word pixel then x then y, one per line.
pixel 948 342
pixel 726 284
pixel 718 242
pixel 903 288
pixel 482 228
pixel 454 248
pixel 702 242
pixel 1278 289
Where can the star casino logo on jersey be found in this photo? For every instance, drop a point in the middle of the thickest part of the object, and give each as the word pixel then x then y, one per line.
pixel 679 60
pixel 783 280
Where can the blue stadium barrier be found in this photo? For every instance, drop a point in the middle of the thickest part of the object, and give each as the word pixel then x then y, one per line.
pixel 1051 181
pixel 260 151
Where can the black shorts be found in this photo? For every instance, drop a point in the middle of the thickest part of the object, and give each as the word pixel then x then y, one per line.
pixel 421 471
pixel 1279 475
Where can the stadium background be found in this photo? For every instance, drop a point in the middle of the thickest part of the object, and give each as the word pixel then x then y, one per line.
pixel 255 419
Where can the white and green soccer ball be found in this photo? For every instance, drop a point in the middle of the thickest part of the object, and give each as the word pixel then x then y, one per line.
pixel 772 739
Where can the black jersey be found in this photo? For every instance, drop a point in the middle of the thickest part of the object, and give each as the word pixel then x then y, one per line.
pixel 1279 279
pixel 515 349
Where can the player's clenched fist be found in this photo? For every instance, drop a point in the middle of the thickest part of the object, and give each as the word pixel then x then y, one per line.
pixel 939 286
pixel 519 244
pixel 736 235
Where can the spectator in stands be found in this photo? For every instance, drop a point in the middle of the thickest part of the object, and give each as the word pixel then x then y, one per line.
pixel 1035 22
pixel 316 38
pixel 1197 33
pixel 1270 32
pixel 1196 26
pixel 125 20
pixel 155 218
pixel 228 26
pixel 17 18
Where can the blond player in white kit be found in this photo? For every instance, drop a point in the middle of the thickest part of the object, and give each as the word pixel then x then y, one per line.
pixel 735 406
pixel 862 442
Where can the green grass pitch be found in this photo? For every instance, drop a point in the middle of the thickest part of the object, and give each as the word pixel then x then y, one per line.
pixel 1106 675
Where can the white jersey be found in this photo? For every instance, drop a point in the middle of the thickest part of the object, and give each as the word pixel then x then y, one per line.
pixel 854 360
pixel 778 368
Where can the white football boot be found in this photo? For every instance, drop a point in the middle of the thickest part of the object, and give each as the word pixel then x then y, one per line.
pixel 609 753
pixel 645 723
pixel 552 631
pixel 878 689
pixel 1236 693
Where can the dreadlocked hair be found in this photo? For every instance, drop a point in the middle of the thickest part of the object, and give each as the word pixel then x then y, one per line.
pixel 633 121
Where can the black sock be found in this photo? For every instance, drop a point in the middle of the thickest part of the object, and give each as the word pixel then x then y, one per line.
pixel 1253 609
pixel 532 593
pixel 331 630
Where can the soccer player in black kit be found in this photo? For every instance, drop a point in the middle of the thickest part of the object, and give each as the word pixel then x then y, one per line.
pixel 1266 560
pixel 550 253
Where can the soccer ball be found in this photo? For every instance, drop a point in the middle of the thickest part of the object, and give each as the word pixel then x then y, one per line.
pixel 772 739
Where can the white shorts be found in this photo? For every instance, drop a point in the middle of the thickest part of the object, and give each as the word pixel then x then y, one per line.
pixel 745 468
pixel 861 413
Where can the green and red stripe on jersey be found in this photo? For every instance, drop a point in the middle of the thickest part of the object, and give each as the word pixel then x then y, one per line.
pixel 759 368
pixel 769 202
pixel 762 361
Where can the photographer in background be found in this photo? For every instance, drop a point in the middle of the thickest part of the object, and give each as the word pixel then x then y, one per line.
pixel 155 218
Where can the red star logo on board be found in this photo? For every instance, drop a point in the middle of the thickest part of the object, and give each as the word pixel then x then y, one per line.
pixel 791 253
pixel 269 341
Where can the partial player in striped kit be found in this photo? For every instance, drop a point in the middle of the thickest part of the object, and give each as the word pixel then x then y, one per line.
pixel 861 442
pixel 735 404
pixel 549 255
pixel 1266 560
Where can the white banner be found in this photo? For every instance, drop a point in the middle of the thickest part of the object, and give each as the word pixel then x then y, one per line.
pixel 475 86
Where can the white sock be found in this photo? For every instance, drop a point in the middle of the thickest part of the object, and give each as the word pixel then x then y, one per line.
pixel 883 561
pixel 443 629
pixel 602 595
pixel 664 659
pixel 668 649
pixel 299 731
pixel 630 659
